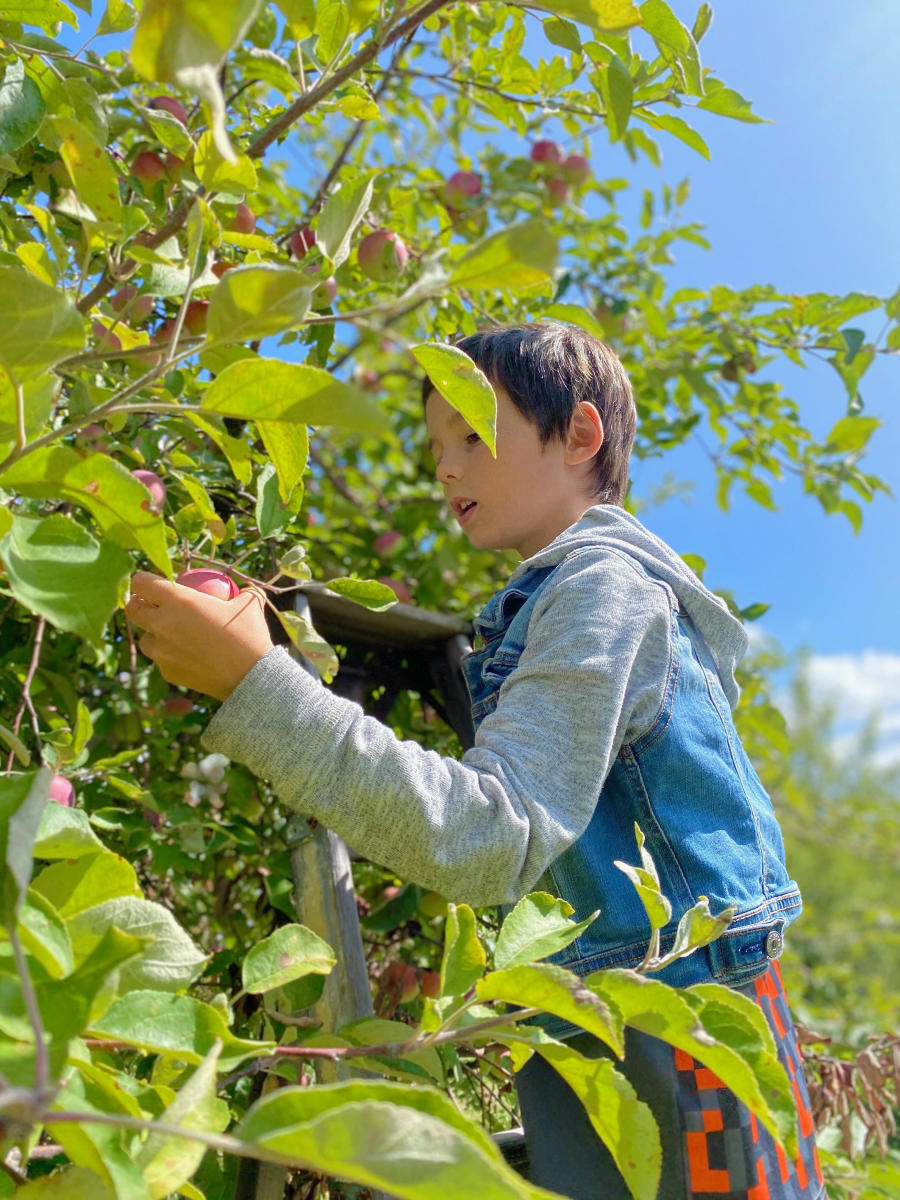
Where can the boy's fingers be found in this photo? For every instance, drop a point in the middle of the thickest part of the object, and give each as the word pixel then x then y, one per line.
pixel 150 587
pixel 140 611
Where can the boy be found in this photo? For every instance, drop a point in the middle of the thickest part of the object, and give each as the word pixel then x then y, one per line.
pixel 601 693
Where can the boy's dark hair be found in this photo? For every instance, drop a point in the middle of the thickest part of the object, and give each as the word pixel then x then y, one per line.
pixel 547 369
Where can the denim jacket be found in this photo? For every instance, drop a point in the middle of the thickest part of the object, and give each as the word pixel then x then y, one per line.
pixel 687 782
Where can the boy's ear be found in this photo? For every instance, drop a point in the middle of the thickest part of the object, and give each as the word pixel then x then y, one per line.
pixel 585 434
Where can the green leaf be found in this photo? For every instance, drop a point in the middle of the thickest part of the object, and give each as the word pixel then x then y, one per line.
pixel 56 568
pixel 69 1004
pixel 679 129
pixel 169 130
pixel 562 33
pixel 554 990
pixel 753 1074
pixel 22 800
pixel 464 959
pixel 118 17
pixel 217 173
pixel 103 1149
pixel 43 327
pixel 115 499
pixel 664 27
pixel 538 925
pixel 75 886
pixel 169 964
pixel 375 1031
pixel 300 16
pixel 15 743
pixel 288 449
pixel 697 927
pixel 280 391
pixel 291 952
pixel 382 1135
pixel 851 434
pixel 168 1162
pixel 367 592
pixel 598 14
pixel 93 175
pixel 727 103
pixel 623 1123
pixel 21 107
pixel 44 13
pixel 72 1183
pixel 646 882
pixel 300 629
pixel 341 215
pixel 517 257
pixel 617 93
pixel 257 302
pixel 272 515
pixel 44 935
pixel 463 385
pixel 160 1023
pixel 65 833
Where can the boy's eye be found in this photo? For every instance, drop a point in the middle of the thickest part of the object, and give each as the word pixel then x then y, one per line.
pixel 472 438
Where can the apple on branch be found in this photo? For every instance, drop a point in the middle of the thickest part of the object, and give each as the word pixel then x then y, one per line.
pixel 170 105
pixel 547 151
pixel 302 241
pixel 244 219
pixel 61 791
pixel 154 486
pixel 382 256
pixel 209 581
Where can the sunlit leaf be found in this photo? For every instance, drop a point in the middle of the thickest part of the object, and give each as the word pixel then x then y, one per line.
pixel 539 925
pixel 463 385
pixel 291 952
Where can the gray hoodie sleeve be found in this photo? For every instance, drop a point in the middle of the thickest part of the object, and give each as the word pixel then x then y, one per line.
pixel 483 829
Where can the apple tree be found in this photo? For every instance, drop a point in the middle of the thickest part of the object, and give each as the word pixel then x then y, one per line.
pixel 231 244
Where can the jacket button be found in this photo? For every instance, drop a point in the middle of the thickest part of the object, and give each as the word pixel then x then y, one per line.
pixel 774 943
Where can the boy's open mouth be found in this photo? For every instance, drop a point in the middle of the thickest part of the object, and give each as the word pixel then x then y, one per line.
pixel 463 509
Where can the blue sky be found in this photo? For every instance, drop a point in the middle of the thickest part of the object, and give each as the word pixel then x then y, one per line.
pixel 807 203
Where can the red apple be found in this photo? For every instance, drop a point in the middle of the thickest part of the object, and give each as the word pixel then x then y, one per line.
pixel 461 187
pixel 576 169
pixel 431 984
pixel 195 317
pixel 177 706
pixel 301 241
pixel 174 167
pixel 154 486
pixel 165 330
pixel 170 105
pixel 325 294
pixel 127 300
pixel 382 255
pixel 93 438
pixel 106 341
pixel 558 192
pixel 244 219
pixel 386 542
pixel 149 170
pixel 399 588
pixel 367 379
pixel 61 791
pixel 222 268
pixel 210 582
pixel 546 151
pixel 409 985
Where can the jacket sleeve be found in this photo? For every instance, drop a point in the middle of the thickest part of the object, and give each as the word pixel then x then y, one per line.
pixel 483 829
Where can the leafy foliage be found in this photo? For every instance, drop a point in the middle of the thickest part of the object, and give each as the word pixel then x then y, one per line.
pixel 271 383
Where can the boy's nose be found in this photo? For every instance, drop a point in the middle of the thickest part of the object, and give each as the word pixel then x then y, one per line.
pixel 445 470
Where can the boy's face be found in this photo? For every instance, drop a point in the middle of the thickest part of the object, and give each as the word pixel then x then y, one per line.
pixel 520 500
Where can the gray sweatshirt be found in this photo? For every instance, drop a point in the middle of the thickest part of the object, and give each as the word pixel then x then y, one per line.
pixel 484 828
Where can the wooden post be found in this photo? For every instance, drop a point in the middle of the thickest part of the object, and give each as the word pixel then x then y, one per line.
pixel 324 902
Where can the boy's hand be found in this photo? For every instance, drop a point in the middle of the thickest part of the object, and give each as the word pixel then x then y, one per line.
pixel 198 641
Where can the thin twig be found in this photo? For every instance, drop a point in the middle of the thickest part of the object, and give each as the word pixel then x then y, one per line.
pixel 41 1057
pixel 25 702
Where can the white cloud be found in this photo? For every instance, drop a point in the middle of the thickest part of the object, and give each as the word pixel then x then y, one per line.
pixel 859 687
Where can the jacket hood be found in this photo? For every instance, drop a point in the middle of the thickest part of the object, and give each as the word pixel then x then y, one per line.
pixel 606 525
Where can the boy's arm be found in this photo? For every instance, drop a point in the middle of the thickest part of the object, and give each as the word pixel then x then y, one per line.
pixel 484 828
